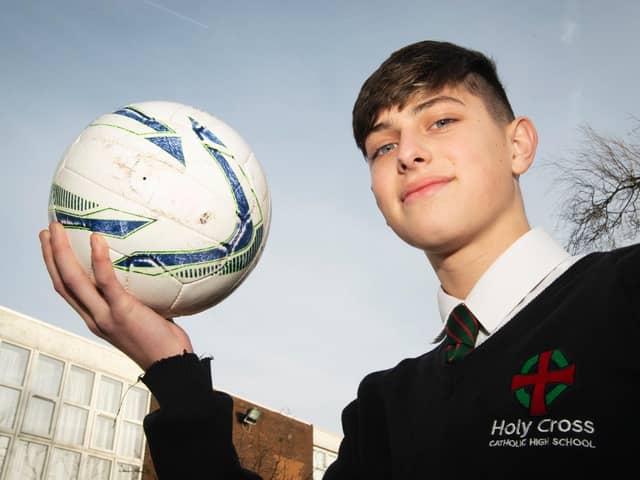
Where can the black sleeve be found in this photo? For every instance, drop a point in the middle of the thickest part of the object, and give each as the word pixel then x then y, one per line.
pixel 345 467
pixel 190 435
pixel 364 450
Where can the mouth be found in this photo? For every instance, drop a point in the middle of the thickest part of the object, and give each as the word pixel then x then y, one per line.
pixel 424 187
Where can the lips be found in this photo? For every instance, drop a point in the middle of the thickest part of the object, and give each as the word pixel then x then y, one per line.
pixel 424 186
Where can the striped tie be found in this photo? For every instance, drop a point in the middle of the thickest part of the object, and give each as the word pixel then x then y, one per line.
pixel 461 333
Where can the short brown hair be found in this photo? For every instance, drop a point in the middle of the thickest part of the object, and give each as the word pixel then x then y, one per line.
pixel 427 66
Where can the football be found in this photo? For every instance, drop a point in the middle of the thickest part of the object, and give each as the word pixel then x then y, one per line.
pixel 178 194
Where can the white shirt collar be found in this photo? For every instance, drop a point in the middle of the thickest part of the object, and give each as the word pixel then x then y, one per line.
pixel 514 274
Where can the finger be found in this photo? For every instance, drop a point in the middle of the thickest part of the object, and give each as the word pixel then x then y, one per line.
pixel 52 269
pixel 75 279
pixel 131 326
pixel 106 280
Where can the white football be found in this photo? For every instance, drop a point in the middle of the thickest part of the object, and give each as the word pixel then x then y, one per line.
pixel 179 195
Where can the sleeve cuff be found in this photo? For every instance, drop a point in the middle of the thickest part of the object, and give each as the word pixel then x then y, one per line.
pixel 182 378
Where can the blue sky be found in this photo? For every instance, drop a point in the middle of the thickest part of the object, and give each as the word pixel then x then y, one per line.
pixel 335 295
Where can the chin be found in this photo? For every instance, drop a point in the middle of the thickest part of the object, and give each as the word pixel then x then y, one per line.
pixel 434 242
pixel 430 244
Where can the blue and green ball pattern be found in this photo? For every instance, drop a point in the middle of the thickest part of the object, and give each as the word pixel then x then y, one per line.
pixel 233 255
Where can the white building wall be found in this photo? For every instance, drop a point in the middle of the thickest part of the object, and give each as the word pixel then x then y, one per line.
pixel 325 451
pixel 70 408
pixel 54 427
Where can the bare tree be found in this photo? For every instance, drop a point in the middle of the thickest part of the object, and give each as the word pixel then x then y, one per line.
pixel 601 204
pixel 271 454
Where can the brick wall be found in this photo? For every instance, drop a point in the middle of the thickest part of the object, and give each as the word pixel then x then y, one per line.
pixel 277 447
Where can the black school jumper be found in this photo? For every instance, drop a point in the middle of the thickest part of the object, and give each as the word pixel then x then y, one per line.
pixel 556 391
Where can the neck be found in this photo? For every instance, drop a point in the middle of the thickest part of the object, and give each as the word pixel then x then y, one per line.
pixel 459 270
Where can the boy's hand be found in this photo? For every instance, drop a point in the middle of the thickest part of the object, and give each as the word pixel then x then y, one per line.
pixel 108 310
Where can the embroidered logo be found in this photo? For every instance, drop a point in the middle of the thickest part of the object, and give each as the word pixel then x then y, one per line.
pixel 531 384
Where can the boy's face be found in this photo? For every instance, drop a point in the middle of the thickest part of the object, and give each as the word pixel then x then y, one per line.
pixel 441 170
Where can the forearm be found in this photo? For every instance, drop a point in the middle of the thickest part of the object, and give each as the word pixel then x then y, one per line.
pixel 190 435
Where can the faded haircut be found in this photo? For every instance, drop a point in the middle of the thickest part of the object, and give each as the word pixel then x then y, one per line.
pixel 427 67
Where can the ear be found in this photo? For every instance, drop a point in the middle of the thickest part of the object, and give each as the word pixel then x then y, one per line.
pixel 524 142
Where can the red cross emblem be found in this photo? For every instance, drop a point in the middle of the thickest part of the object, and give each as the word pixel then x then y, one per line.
pixel 537 388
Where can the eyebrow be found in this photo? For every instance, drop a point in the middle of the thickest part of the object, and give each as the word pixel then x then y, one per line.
pixel 419 108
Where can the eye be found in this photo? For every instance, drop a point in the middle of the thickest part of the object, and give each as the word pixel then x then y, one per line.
pixel 386 148
pixel 443 122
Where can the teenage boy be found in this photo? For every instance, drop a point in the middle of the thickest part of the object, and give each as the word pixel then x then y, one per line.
pixel 532 374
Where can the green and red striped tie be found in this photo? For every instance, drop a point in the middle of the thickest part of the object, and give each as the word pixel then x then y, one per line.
pixel 461 333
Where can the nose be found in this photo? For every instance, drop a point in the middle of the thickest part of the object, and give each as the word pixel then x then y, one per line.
pixel 411 152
